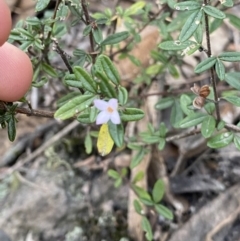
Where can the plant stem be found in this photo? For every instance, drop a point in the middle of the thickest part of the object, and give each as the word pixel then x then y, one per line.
pixel 88 21
pixel 30 112
pixel 212 72
pixel 63 55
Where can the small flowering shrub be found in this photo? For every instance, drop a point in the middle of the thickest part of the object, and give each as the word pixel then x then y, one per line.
pixel 95 95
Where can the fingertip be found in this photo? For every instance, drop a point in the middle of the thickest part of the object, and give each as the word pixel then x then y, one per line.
pixel 16 73
pixel 5 22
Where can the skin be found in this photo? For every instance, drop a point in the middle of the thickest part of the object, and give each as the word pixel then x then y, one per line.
pixel 15 66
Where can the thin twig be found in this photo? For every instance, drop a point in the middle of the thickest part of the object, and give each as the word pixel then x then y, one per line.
pixel 183 135
pixel 63 55
pixel 88 21
pixel 232 127
pixel 53 17
pixel 212 73
pixel 30 112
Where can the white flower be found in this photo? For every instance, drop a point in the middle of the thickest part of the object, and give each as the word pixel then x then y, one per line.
pixel 108 111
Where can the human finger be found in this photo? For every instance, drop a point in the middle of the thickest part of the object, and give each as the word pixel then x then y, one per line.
pixel 15 73
pixel 5 22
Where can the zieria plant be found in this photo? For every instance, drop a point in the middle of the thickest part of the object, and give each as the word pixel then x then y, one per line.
pixel 197 17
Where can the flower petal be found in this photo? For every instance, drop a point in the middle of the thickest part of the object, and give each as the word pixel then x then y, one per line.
pixel 100 104
pixel 113 103
pixel 102 118
pixel 115 118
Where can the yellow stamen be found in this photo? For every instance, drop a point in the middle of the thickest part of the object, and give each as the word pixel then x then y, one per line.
pixel 110 110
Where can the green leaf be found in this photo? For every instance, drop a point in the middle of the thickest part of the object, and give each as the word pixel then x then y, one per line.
pixel 124 172
pixel 87 30
pixel 215 24
pixel 220 125
pixel 71 81
pixel 164 211
pixel 38 44
pixel 230 56
pixel 88 143
pixel 187 5
pixel 161 144
pixel 131 114
pixel 220 69
pixel 84 118
pixel 74 106
pixel 143 195
pixel 176 114
pixel 87 82
pixel 214 12
pixel 63 100
pixel 76 11
pixel 139 176
pixel 162 129
pixel 134 60
pixel 115 38
pixel 191 25
pixel 192 120
pixel 49 69
pixel 34 21
pixel 122 95
pixel 158 191
pixel 176 45
pixel 232 79
pixel 198 34
pixel 59 29
pixel 134 146
pixel 105 86
pixel 114 174
pixel 210 108
pixel 97 35
pixel 137 207
pixel 164 103
pixel 173 71
pixel 40 83
pixel 150 139
pixel 178 21
pixel 137 158
pixel 185 102
pixel 117 133
pixel 236 141
pixel 93 111
pixel 62 11
pixel 102 21
pixel 41 4
pixel 118 182
pixel 154 69
pixel 109 68
pixel 220 140
pixel 11 128
pixel 25 34
pixel 147 228
pixel 134 8
pixel 235 100
pixel 205 64
pixel 234 20
pixel 208 126
pixel 227 3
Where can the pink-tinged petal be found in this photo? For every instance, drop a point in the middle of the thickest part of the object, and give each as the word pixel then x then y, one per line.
pixel 115 118
pixel 102 118
pixel 113 103
pixel 100 104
